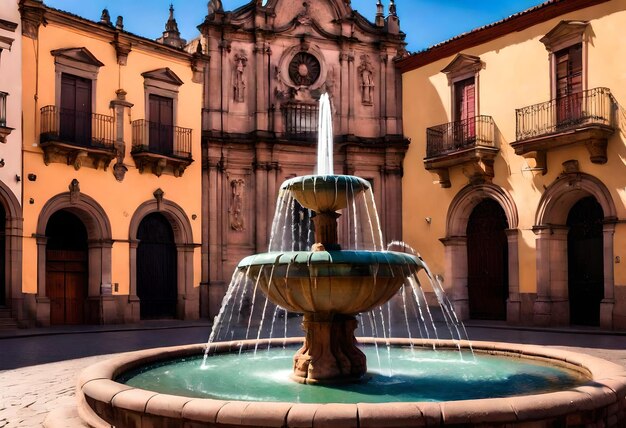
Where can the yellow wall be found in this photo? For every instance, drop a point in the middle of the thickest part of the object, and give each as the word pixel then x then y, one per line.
pixel 516 74
pixel 118 199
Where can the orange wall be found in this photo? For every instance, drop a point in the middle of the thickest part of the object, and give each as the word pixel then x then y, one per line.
pixel 118 199
pixel 516 74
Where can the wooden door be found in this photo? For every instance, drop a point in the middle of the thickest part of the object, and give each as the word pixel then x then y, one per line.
pixel 569 85
pixel 465 110
pixel 66 268
pixel 161 125
pixel 487 261
pixel 66 284
pixel 3 284
pixel 156 268
pixel 585 262
pixel 75 111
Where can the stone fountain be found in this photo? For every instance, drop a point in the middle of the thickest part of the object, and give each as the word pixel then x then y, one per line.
pixel 327 284
pixel 330 286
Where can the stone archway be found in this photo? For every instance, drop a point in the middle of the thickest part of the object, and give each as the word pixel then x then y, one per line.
pixel 552 304
pixel 188 305
pixel 100 302
pixel 12 252
pixel 455 242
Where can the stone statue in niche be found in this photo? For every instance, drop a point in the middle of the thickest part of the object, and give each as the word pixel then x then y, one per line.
pixel 366 73
pixel 239 81
pixel 236 204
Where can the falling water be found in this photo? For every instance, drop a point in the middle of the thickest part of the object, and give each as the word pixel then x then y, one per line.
pixel 247 313
pixel 325 138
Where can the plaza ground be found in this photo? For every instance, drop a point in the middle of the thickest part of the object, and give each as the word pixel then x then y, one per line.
pixel 39 367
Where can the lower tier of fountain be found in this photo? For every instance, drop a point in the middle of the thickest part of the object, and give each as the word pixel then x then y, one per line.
pixel 598 400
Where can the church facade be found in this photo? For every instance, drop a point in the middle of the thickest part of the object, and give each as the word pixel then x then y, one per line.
pixel 269 62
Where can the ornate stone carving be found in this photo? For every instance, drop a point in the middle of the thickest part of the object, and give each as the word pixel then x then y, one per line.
pixel 366 75
pixel 215 6
pixel 239 80
pixel 236 204
pixel 304 69
pixel 74 188
pixel 158 195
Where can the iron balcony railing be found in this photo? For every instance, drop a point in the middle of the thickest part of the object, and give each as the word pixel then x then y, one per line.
pixel 167 140
pixel 3 109
pixel 462 134
pixel 591 107
pixel 77 127
pixel 301 119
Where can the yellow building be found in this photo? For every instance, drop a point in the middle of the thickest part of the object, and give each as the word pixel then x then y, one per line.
pixel 112 171
pixel 515 181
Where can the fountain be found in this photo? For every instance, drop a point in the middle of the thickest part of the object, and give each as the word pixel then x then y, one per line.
pixel 330 286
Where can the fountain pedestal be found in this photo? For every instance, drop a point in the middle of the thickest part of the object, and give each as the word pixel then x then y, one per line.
pixel 329 353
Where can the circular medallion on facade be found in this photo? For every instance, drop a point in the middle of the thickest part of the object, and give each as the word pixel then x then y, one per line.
pixel 304 69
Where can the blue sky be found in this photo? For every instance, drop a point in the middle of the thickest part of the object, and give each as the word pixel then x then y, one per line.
pixel 426 22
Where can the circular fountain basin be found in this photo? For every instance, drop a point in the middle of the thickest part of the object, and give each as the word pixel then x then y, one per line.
pixel 322 193
pixel 594 394
pixel 339 282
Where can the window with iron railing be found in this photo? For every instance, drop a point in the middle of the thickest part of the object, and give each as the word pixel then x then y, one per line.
pixel 166 140
pixel 459 135
pixel 585 108
pixel 301 119
pixel 77 127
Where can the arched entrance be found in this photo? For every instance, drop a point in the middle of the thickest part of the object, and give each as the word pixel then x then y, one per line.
pixel 570 212
pixel 156 268
pixel 66 268
pixel 585 261
pixel 487 261
pixel 478 212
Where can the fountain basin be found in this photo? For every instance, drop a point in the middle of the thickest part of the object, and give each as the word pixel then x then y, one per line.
pixel 322 193
pixel 601 400
pixel 333 282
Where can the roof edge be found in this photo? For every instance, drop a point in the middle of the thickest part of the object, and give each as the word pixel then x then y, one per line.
pixel 520 21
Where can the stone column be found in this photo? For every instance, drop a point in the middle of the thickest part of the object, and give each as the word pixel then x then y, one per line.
pixel 213 209
pixel 559 286
pixel 456 273
pixel 542 306
pixel 513 303
pixel 119 105
pixel 42 300
pixel 608 302
pixel 261 66
pixel 261 193
pixel 131 312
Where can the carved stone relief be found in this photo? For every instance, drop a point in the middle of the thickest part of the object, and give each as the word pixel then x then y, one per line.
pixel 236 204
pixel 366 75
pixel 239 80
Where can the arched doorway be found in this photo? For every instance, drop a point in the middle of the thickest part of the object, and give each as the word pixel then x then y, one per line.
pixel 156 268
pixel 3 282
pixel 585 261
pixel 66 268
pixel 487 261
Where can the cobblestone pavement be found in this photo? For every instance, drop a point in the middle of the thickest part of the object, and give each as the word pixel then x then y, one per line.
pixel 36 392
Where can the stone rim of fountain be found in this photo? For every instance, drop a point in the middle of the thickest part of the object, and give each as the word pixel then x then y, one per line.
pixel 102 401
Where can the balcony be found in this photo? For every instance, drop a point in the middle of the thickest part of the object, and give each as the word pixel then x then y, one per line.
pixel 586 117
pixel 4 129
pixel 469 143
pixel 164 148
pixel 301 120
pixel 77 138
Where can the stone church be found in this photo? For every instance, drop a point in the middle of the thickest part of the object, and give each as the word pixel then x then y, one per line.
pixel 265 66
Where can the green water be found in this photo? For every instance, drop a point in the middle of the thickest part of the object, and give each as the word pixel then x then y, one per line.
pixel 394 374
